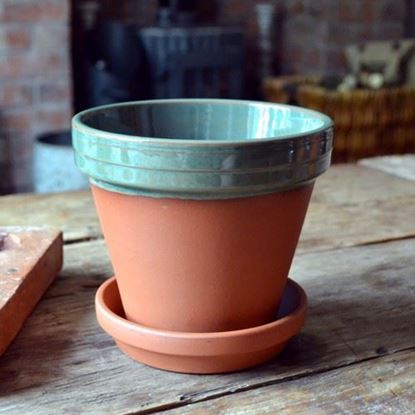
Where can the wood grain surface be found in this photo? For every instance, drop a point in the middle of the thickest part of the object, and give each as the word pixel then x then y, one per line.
pixel 379 202
pixel 30 259
pixel 381 386
pixel 73 213
pixel 355 354
pixel 361 306
pixel 400 166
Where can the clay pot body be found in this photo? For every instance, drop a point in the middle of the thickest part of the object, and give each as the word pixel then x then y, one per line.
pixel 201 265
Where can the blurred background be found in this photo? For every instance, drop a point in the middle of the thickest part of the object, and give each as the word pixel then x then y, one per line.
pixel 353 59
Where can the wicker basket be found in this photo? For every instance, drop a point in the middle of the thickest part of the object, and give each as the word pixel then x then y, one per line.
pixel 368 122
pixel 283 89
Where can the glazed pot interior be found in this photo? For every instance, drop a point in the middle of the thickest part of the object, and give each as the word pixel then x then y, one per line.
pixel 205 120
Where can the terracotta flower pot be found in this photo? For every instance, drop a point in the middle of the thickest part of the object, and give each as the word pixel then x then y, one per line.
pixel 201 203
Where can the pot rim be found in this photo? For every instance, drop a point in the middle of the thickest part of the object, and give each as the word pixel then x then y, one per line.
pixel 78 123
pixel 201 169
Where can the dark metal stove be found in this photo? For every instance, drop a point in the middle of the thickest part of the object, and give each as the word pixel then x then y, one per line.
pixel 116 62
pixel 194 61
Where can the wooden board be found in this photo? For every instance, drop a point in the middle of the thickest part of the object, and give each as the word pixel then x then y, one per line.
pixel 380 386
pixel 30 259
pixel 346 184
pixel 330 226
pixel 346 194
pixel 400 166
pixel 362 306
pixel 353 205
pixel 73 213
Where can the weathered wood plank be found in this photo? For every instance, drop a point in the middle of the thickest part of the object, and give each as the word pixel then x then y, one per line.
pixel 73 213
pixel 354 205
pixel 400 166
pixel 361 305
pixel 30 259
pixel 385 385
pixel 351 183
pixel 377 203
pixel 330 226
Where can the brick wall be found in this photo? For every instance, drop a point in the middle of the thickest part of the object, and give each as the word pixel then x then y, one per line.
pixel 35 86
pixel 316 32
pixel 310 35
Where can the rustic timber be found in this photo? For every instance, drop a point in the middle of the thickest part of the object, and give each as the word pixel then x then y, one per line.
pixel 380 386
pixel 400 166
pixel 355 354
pixel 345 193
pixel 73 213
pixel 361 305
pixel 30 259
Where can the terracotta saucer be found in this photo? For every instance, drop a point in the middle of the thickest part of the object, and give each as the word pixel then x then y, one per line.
pixel 201 352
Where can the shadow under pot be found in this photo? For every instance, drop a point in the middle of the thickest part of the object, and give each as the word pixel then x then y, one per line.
pixel 201 203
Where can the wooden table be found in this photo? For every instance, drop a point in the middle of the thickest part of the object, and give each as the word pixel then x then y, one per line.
pixel 356 354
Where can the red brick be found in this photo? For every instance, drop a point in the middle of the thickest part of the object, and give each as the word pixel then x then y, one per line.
pixel 14 38
pixel 389 30
pixel 368 9
pixel 15 147
pixel 21 65
pixel 237 11
pixel 16 93
pixel 10 66
pixel 316 8
pixel 336 62
pixel 11 184
pixel 35 11
pixel 53 119
pixel 364 33
pixel 315 59
pixel 35 90
pixel 22 175
pixel 303 25
pixel 16 176
pixel 341 34
pixel 392 10
pixel 54 91
pixel 30 260
pixel 293 56
pixel 349 11
pixel 50 38
pixel 16 120
pixel 305 69
pixel 296 7
pixel 115 9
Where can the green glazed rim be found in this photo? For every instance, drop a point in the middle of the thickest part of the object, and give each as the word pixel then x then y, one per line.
pixel 201 168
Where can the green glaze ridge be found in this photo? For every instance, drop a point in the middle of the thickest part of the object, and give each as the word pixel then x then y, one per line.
pixel 219 165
